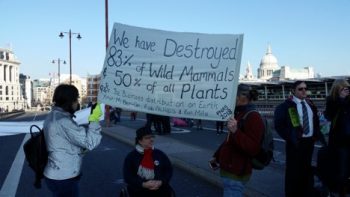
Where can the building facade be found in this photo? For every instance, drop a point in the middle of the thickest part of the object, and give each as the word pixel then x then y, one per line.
pixel 10 94
pixel 41 93
pixel 268 65
pixel 93 84
pixel 269 70
pixel 26 90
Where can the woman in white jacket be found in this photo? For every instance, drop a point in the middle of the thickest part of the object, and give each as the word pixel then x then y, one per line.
pixel 67 142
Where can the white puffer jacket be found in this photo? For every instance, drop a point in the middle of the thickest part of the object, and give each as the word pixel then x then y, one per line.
pixel 66 143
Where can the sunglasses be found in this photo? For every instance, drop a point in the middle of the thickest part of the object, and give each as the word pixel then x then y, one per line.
pixel 301 89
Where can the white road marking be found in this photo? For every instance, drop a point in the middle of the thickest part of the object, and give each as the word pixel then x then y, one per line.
pixel 11 182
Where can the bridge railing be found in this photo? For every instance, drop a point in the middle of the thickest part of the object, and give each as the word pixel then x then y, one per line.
pixel 6 115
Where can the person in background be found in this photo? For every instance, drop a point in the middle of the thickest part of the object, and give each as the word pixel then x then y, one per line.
pixel 147 171
pixel 118 112
pixel 297 122
pixel 338 112
pixel 234 156
pixel 166 127
pixel 112 117
pixel 133 115
pixel 67 142
pixel 149 121
pixel 219 127
pixel 199 124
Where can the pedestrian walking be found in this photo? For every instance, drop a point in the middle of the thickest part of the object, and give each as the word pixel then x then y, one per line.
pixel 297 122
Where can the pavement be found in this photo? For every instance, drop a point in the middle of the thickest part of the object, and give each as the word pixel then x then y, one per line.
pixel 193 153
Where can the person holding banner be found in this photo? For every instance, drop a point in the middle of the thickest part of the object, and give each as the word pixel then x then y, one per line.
pixel 234 156
pixel 67 142
pixel 147 170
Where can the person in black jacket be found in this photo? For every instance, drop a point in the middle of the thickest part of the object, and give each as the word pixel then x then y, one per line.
pixel 297 122
pixel 338 112
pixel 147 170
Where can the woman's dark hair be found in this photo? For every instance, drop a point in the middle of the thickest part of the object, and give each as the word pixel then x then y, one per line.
pixel 141 132
pixel 248 91
pixel 64 96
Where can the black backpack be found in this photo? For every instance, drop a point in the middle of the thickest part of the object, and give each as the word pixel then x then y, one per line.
pixel 264 157
pixel 36 154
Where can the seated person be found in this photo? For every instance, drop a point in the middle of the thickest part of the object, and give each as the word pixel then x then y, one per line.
pixel 147 170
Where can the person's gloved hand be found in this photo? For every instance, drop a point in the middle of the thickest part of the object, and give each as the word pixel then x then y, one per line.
pixel 96 113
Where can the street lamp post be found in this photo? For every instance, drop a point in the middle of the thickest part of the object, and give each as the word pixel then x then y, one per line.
pixel 59 68
pixel 70 33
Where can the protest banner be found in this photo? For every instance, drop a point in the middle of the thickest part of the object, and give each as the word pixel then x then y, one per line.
pixel 189 75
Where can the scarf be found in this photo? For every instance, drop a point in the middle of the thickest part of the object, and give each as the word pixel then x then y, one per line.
pixel 146 167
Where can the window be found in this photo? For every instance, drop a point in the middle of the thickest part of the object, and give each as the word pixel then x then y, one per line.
pixel 11 70
pixel 5 66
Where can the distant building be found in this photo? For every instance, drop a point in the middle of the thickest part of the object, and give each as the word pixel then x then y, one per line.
pixel 26 90
pixel 43 89
pixel 268 65
pixel 10 97
pixel 269 70
pixel 41 92
pixel 249 73
pixel 93 84
pixel 287 73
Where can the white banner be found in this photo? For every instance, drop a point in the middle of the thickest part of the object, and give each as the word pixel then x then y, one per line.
pixel 188 75
pixel 18 127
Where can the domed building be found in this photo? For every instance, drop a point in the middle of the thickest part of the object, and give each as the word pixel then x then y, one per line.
pixel 269 70
pixel 268 65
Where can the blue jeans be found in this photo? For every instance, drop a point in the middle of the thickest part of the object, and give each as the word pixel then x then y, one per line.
pixel 233 188
pixel 63 188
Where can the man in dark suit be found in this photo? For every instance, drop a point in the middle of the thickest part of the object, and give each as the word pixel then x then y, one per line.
pixel 297 122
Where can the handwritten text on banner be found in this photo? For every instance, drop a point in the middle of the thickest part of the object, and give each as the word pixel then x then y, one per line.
pixel 188 75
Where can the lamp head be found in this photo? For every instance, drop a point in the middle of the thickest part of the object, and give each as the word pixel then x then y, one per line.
pixel 79 37
pixel 61 35
pixel 53 61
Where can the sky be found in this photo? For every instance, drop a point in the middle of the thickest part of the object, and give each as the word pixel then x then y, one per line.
pixel 301 33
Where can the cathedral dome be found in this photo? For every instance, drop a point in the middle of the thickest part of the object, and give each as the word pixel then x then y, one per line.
pixel 269 61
